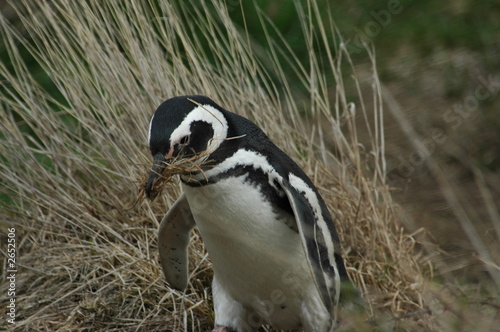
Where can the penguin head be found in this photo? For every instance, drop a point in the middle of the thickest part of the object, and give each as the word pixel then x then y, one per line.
pixel 184 127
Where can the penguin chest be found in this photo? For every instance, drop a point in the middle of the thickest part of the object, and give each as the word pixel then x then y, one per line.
pixel 236 219
pixel 256 255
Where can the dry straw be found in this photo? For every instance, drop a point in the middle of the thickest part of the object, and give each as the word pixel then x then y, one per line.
pixel 69 167
pixel 177 166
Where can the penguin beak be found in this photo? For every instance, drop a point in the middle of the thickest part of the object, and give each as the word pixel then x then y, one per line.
pixel 156 171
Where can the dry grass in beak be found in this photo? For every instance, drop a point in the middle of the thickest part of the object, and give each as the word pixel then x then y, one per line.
pixel 177 166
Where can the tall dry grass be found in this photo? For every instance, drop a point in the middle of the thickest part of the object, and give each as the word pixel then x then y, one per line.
pixel 87 260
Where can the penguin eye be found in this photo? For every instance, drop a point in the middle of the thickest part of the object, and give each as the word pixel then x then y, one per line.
pixel 184 140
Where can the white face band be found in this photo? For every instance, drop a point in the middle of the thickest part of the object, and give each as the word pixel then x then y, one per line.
pixel 208 114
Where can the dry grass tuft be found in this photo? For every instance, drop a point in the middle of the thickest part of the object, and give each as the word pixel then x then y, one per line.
pixel 176 166
pixel 69 161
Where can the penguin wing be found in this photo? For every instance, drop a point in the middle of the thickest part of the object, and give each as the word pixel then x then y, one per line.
pixel 318 237
pixel 173 241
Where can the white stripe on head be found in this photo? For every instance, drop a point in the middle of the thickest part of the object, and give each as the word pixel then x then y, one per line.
pixel 150 125
pixel 207 114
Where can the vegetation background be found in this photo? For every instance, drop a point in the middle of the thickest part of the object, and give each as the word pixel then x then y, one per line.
pixel 393 111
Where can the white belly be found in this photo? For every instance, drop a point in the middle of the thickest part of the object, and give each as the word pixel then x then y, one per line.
pixel 258 260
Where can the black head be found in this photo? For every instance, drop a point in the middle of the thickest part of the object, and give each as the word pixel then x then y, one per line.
pixel 183 127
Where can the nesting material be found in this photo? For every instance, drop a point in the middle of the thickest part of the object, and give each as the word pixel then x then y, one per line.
pixel 176 166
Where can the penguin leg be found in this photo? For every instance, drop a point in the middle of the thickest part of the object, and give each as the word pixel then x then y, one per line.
pixel 230 315
pixel 314 316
